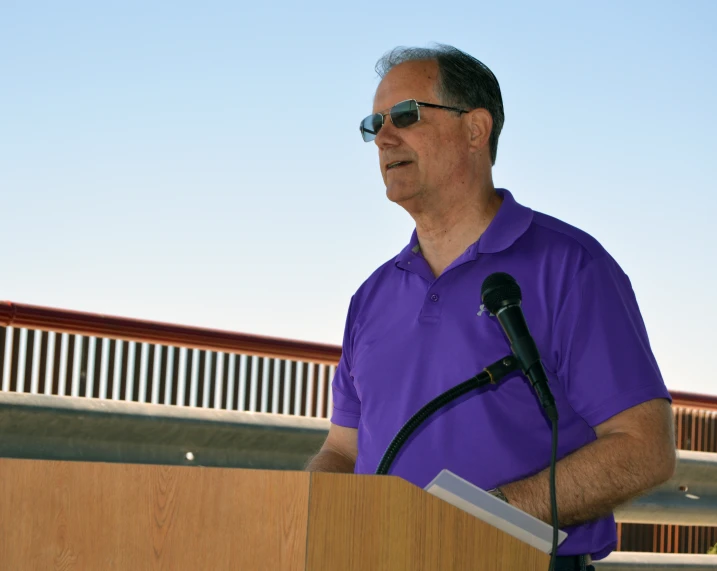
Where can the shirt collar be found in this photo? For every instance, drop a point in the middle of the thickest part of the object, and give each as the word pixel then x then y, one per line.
pixel 510 222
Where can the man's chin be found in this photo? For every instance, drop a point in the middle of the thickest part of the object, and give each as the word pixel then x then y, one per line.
pixel 400 194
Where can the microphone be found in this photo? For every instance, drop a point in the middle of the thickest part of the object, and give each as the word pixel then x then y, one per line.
pixel 501 294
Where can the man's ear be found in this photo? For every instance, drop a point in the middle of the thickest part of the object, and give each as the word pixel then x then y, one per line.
pixel 480 124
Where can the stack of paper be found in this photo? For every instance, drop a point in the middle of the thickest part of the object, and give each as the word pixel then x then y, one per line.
pixel 486 507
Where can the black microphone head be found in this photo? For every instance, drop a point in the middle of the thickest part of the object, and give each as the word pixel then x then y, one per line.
pixel 500 290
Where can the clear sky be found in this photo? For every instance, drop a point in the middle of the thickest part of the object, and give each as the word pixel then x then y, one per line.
pixel 201 163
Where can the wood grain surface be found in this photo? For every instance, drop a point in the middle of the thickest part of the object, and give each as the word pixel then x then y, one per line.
pixel 68 516
pixel 378 523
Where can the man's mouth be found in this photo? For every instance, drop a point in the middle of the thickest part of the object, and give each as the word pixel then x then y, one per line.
pixel 397 164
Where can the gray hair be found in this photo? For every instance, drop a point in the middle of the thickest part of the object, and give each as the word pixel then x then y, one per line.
pixel 463 82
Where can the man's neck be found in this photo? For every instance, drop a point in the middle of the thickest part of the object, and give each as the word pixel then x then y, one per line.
pixel 444 235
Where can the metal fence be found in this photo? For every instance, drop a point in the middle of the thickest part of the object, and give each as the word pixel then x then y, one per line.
pixel 62 364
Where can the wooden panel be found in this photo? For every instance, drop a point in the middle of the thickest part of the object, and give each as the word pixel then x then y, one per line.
pixel 89 516
pixel 386 524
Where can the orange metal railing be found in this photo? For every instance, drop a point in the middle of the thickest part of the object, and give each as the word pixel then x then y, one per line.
pixel 20 315
pixel 69 353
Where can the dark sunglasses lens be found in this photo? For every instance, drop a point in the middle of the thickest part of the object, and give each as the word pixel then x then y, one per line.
pixel 404 114
pixel 370 127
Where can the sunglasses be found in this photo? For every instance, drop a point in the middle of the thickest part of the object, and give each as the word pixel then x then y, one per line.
pixel 402 115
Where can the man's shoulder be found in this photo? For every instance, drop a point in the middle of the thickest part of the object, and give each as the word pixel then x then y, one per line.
pixel 560 235
pixel 377 278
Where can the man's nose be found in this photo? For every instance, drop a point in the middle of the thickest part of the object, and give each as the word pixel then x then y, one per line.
pixel 388 135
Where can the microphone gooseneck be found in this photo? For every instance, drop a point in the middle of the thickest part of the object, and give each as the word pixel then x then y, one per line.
pixel 490 375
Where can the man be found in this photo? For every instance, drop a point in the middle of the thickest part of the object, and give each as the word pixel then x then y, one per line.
pixel 416 327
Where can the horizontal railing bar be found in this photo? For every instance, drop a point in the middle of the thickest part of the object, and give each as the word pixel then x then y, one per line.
pixel 629 561
pixel 93 324
pixel 688 498
pixel 65 428
pixel 671 508
pixel 694 400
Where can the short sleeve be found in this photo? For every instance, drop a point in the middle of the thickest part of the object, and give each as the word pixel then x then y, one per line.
pixel 346 404
pixel 605 362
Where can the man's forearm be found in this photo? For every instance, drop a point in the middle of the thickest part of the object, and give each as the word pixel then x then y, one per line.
pixel 592 481
pixel 330 461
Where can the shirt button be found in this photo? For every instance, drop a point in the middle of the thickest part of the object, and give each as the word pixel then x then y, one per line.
pixel 434 297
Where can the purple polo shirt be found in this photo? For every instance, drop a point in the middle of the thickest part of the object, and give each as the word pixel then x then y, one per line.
pixel 410 336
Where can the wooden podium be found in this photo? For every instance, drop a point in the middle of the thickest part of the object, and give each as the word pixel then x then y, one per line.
pixel 98 516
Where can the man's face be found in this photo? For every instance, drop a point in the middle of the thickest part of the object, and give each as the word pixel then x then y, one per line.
pixel 435 149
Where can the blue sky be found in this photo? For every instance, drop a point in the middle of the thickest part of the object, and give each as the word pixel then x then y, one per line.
pixel 201 163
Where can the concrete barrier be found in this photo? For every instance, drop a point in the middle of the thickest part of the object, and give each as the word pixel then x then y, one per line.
pixel 688 498
pixel 627 561
pixel 66 428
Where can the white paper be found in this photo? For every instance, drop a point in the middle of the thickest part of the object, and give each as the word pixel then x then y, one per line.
pixel 494 511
